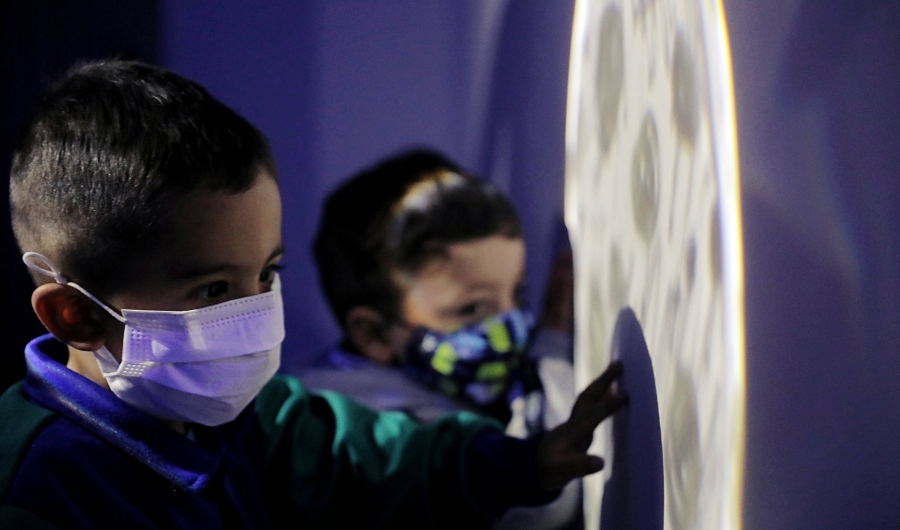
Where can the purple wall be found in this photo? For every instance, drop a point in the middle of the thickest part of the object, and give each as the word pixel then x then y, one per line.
pixel 817 86
pixel 338 84
pixel 522 143
pixel 335 85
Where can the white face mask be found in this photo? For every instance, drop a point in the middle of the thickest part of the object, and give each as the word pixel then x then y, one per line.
pixel 200 366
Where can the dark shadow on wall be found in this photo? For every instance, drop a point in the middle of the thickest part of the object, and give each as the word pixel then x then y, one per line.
pixel 524 143
pixel 633 495
pixel 39 40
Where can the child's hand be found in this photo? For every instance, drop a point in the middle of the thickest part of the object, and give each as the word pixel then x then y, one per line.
pixel 562 454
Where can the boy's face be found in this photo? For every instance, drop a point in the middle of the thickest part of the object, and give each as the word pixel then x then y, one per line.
pixel 476 279
pixel 219 247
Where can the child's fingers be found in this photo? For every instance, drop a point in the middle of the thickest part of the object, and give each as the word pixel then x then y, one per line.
pixel 582 425
pixel 597 402
pixel 599 386
pixel 570 441
pixel 577 433
pixel 594 394
pixel 571 467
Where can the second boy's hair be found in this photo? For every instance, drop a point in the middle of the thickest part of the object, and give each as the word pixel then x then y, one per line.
pixel 110 150
pixel 394 217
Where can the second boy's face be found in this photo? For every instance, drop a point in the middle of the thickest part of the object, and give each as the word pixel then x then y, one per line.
pixel 475 280
pixel 220 247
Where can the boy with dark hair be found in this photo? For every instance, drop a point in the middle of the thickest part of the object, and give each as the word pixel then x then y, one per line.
pixel 423 266
pixel 364 228
pixel 150 216
pixel 385 235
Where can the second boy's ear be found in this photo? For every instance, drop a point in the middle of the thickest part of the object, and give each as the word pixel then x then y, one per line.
pixel 69 315
pixel 372 335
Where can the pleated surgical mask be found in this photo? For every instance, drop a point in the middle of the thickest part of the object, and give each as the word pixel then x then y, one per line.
pixel 199 366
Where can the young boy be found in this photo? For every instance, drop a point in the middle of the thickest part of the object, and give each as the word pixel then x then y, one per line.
pixel 150 215
pixel 423 267
pixel 413 245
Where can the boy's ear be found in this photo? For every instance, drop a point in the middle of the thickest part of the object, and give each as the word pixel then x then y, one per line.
pixel 370 333
pixel 70 316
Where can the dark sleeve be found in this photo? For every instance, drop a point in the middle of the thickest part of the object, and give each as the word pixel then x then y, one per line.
pixel 501 472
pixel 332 463
pixel 22 422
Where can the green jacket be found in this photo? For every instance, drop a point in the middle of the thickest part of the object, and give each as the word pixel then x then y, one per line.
pixel 296 460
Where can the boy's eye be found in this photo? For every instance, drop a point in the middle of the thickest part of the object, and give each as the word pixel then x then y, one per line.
pixel 472 310
pixel 268 274
pixel 213 290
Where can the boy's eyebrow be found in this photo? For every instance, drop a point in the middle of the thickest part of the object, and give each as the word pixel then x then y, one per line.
pixel 199 272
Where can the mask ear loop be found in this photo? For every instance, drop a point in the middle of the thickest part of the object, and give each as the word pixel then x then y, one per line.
pixel 45 267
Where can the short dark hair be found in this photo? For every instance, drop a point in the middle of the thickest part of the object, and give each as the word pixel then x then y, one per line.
pixel 109 148
pixel 395 216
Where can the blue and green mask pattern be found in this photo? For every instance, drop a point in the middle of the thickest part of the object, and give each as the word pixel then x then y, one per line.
pixel 484 364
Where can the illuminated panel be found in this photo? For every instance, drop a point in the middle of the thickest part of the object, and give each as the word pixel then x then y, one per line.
pixel 653 209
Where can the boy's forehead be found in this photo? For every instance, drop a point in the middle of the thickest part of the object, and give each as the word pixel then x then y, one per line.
pixel 494 258
pixel 218 229
pixel 490 262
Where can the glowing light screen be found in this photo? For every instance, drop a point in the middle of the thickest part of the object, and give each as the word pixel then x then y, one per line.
pixel 653 210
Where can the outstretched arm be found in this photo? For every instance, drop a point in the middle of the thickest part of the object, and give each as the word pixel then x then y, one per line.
pixel 562 454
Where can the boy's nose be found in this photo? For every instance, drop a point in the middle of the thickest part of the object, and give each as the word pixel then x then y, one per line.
pixel 251 289
pixel 508 303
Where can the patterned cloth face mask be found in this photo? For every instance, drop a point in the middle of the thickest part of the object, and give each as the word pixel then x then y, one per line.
pixel 200 366
pixel 484 364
